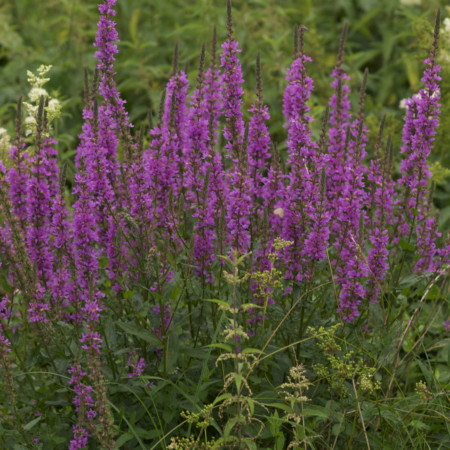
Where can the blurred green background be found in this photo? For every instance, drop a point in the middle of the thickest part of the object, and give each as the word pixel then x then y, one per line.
pixel 390 37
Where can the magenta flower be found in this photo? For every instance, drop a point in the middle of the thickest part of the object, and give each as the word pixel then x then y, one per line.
pixel 91 341
pixel 238 201
pixel 340 118
pixel 304 218
pixel 203 175
pixel 80 438
pixel 137 366
pixel 421 121
pixel 233 92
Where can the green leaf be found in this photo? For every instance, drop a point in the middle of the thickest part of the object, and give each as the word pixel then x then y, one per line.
pixel 419 425
pixel 103 262
pixel 218 302
pixel 124 438
pixel 134 23
pixel 389 416
pixel 252 350
pixel 141 333
pixel 405 245
pixel 251 405
pixel 128 295
pixel 317 411
pixel 238 381
pixel 246 306
pixel 173 353
pixel 221 398
pixel 434 293
pixel 225 347
pixel 110 333
pixel 408 281
pixel 251 444
pixel 412 71
pixel 442 373
pixel 230 425
pixel 281 406
pixel 31 424
pixel 279 443
pixel 444 216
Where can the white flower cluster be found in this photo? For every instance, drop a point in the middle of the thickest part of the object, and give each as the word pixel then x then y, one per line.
pixel 446 28
pixel 5 144
pixel 53 108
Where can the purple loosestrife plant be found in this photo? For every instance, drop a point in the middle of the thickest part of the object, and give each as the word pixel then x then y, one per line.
pixel 303 191
pixel 351 266
pixel 18 266
pixel 106 42
pixel 17 178
pixel 198 175
pixel 174 127
pixel 85 217
pixel 113 273
pixel 42 189
pixel 83 399
pixel 318 237
pixel 80 438
pixel 381 217
pixel 239 207
pixel 340 117
pixel 62 284
pixel 114 120
pixel 213 95
pixel 238 201
pixel 427 234
pixel 156 206
pixel 18 174
pixel 168 190
pixel 215 190
pixel 137 366
pixel 233 92
pixel 153 174
pixel 421 121
pixel 95 221
pixel 258 150
pixel 259 143
pixel 274 198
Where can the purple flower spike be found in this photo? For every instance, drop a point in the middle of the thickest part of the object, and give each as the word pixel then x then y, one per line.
pixel 42 190
pixel 203 168
pixel 106 42
pixel 340 119
pixel 137 366
pixel 232 95
pixel 419 131
pixel 80 438
pixel 238 201
pixel 302 213
pixel 258 140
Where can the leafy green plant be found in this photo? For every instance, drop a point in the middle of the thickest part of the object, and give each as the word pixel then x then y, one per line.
pixel 227 279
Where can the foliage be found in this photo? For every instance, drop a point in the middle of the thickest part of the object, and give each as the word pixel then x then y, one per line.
pixel 198 286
